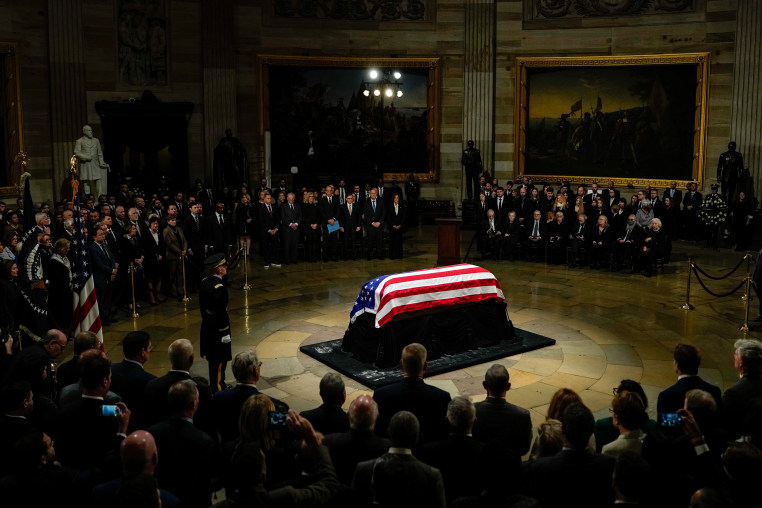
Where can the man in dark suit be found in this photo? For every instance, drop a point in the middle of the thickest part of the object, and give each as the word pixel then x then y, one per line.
pixel 205 195
pixel 349 218
pixel 673 193
pixel 737 398
pixel 329 417
pixel 104 273
pixel 16 404
pixel 427 402
pixel 579 240
pixel 384 193
pixel 189 457
pixel 68 372
pixel 269 225
pixel 194 235
pixel 686 361
pixel 574 476
pixel 329 214
pixel 218 234
pixel 397 474
pixel 139 457
pixel 374 216
pixel 536 232
pixel 498 419
pixel 290 219
pixel 84 435
pixel 459 457
pixel 180 359
pixel 226 404
pixel 129 378
pixel 360 442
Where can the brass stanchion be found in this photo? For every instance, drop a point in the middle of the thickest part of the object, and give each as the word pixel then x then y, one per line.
pixel 745 326
pixel 246 286
pixel 747 257
pixel 132 282
pixel 687 305
pixel 185 293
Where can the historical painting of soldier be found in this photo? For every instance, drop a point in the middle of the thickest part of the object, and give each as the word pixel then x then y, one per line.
pixel 472 163
pixel 93 170
pixel 142 42
pixel 231 165
pixel 730 172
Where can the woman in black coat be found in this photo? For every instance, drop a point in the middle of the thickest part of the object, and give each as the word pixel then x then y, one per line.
pixel 311 225
pixel 600 244
pixel 60 295
pixel 652 247
pixel 153 263
pixel 557 236
pixel 396 219
pixel 245 222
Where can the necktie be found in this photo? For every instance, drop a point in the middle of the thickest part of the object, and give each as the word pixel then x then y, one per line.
pixel 536 230
pixel 329 200
pixel 499 203
pixel 269 209
pixel 492 225
pixel 292 206
pixel 350 208
pixel 374 205
pixel 222 221
pixel 195 218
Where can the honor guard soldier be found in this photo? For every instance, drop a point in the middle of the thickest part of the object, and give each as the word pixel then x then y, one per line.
pixel 215 321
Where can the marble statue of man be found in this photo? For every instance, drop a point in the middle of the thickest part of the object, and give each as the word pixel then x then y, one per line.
pixel 92 168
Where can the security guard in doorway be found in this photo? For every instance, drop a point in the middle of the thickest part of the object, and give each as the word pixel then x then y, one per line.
pixel 215 321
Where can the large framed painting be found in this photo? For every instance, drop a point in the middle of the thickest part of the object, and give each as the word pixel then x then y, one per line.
pixel 636 120
pixel 316 120
pixel 12 155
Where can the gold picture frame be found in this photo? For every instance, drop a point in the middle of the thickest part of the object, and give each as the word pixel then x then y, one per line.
pixel 647 125
pixel 11 99
pixel 428 66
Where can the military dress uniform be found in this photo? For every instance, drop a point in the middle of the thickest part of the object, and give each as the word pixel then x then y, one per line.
pixel 215 324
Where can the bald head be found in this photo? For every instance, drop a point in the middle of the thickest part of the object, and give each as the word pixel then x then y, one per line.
pixel 181 354
pixel 139 454
pixel 363 412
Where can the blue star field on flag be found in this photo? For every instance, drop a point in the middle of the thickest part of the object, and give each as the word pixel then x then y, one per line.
pixel 366 300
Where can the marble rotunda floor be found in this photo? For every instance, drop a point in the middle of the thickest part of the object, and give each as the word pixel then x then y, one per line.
pixel 608 326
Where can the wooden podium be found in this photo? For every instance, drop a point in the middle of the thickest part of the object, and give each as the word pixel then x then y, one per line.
pixel 448 248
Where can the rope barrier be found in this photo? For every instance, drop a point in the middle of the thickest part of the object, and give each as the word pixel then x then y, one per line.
pixel 716 295
pixel 732 271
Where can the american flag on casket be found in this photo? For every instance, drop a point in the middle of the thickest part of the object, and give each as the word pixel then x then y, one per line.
pixel 389 295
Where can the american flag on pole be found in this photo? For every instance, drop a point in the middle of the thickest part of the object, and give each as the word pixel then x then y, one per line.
pixel 389 295
pixel 86 314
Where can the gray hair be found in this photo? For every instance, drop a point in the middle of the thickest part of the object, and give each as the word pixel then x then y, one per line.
pixel 181 395
pixel 461 414
pixel 750 353
pixel 39 216
pixel 245 365
pixel 180 354
pixel 68 223
pixel 332 388
pixel 658 221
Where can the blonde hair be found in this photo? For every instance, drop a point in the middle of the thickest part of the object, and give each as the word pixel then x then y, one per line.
pixel 253 422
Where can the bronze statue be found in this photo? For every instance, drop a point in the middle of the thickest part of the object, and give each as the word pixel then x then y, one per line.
pixel 730 172
pixel 231 166
pixel 472 161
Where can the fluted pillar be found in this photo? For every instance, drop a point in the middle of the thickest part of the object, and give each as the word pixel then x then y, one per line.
pixel 479 78
pixel 68 98
pixel 219 74
pixel 746 121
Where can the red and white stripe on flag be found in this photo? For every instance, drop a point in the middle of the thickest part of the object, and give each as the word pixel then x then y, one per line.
pixel 432 288
pixel 86 313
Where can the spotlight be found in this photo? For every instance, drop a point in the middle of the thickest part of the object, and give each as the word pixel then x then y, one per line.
pixel 389 92
pixel 397 75
pixel 376 92
pixel 366 93
pixel 373 74
pixel 399 93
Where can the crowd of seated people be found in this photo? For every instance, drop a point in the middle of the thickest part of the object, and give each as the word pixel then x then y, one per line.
pixel 593 227
pixel 149 240
pixel 117 435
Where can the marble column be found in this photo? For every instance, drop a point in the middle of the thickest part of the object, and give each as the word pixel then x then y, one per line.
pixel 68 98
pixel 218 46
pixel 479 78
pixel 745 123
